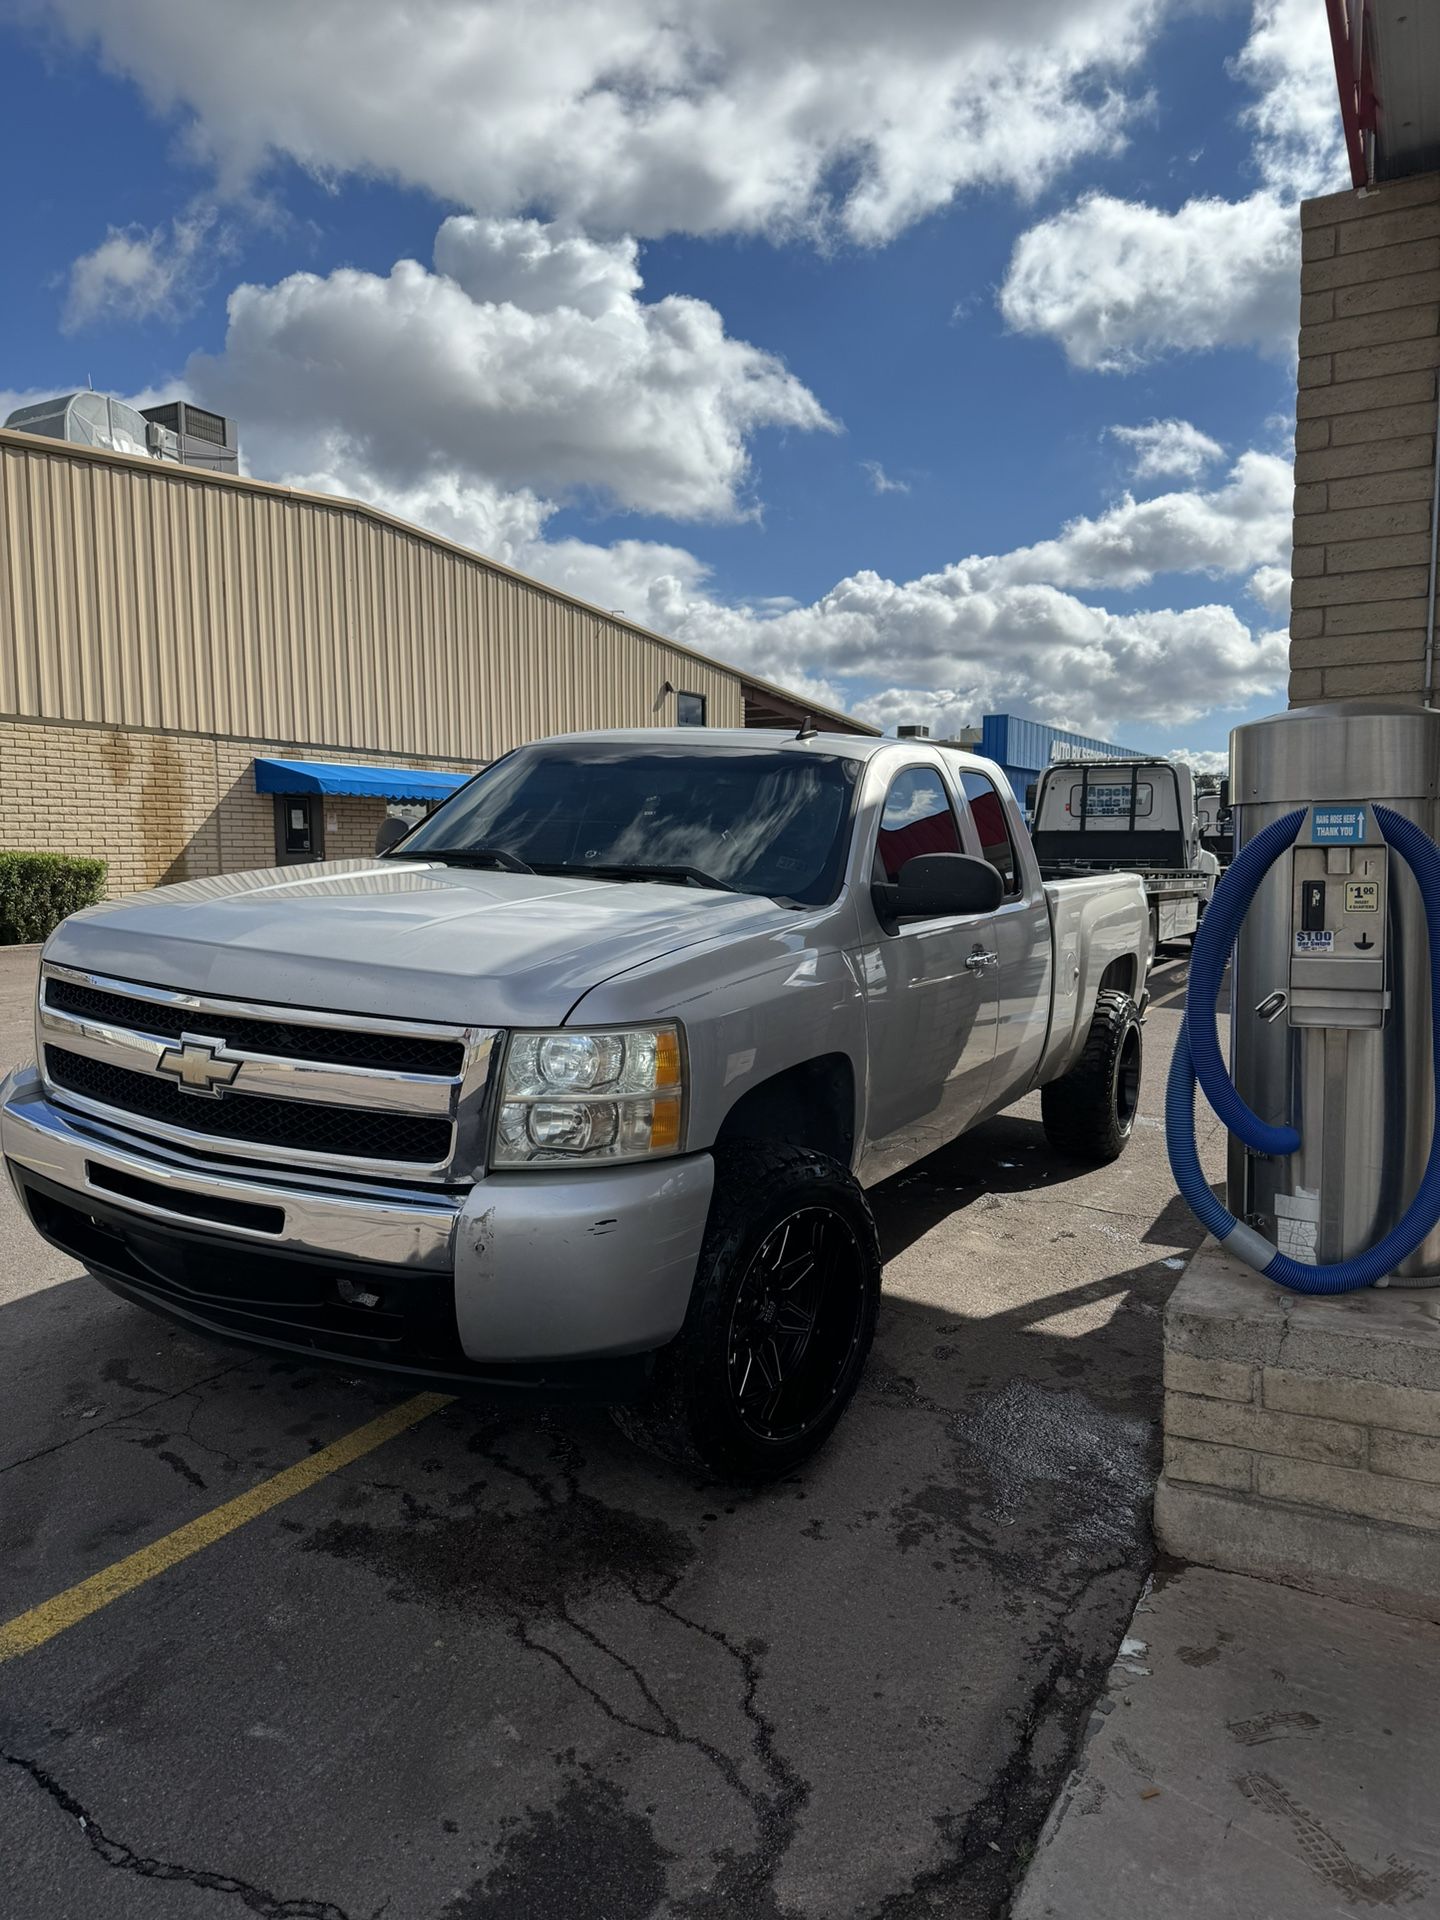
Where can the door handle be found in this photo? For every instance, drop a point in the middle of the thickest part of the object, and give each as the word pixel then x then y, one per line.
pixel 978 961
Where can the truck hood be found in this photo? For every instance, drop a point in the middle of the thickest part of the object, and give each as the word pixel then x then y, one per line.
pixel 409 940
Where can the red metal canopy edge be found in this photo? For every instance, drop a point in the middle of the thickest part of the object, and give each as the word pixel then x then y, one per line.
pixel 1351 27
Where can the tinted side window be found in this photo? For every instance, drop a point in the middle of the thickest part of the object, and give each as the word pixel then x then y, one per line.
pixel 917 819
pixel 988 812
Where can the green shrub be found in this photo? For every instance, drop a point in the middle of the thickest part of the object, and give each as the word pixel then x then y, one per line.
pixel 37 890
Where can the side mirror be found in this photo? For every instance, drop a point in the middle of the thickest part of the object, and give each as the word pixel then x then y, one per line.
pixel 1225 795
pixel 935 886
pixel 392 830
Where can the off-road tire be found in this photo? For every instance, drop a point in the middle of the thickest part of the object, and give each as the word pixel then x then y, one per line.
pixel 692 1416
pixel 1089 1113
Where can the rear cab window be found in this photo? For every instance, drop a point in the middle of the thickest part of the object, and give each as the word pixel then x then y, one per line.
pixel 987 810
pixel 1110 800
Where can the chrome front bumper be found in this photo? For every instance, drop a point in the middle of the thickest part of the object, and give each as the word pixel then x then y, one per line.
pixel 544 1266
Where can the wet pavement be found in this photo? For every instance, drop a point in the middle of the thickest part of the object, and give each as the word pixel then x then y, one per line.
pixel 505 1666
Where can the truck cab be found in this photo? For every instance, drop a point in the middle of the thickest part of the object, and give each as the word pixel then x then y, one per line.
pixel 1135 815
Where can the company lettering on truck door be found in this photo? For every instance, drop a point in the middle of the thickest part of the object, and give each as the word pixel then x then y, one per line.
pixel 1110 801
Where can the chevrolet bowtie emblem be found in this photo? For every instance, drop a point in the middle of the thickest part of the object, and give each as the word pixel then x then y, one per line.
pixel 197 1066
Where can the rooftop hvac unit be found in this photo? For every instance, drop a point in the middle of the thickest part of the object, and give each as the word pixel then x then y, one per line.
pixel 205 439
pixel 912 733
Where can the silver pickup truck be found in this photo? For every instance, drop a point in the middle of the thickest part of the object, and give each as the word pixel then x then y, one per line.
pixel 578 1088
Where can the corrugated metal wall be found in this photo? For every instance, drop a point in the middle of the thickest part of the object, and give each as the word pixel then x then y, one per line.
pixel 1015 741
pixel 139 595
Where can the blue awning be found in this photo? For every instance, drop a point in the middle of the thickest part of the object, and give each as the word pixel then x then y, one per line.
pixel 380 783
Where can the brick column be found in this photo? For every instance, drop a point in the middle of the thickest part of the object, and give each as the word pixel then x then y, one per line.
pixel 1365 441
pixel 1302 1435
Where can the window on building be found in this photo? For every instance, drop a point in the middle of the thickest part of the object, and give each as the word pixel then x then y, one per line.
pixel 918 818
pixel 690 709
pixel 299 827
pixel 987 810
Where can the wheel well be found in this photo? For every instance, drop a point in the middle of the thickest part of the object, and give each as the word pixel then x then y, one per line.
pixel 1120 974
pixel 809 1105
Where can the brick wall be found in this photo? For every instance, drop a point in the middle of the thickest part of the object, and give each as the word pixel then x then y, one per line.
pixel 1302 1435
pixel 1365 441
pixel 1353 1446
pixel 160 807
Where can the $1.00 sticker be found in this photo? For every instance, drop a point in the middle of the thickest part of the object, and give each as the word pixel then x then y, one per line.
pixel 1314 942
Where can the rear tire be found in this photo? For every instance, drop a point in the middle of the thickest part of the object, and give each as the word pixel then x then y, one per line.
pixel 1089 1113
pixel 780 1322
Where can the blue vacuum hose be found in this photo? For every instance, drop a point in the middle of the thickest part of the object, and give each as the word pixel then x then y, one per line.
pixel 1197 1056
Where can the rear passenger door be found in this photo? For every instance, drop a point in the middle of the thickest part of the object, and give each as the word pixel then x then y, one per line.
pixel 931 992
pixel 1020 935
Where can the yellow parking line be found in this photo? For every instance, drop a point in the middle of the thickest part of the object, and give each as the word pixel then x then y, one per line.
pixel 30 1630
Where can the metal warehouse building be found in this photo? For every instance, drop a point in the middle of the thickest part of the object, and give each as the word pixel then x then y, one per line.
pixel 173 641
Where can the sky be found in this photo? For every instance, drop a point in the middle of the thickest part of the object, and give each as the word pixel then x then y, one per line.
pixel 934 359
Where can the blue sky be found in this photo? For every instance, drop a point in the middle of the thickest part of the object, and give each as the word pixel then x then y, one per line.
pixel 800 333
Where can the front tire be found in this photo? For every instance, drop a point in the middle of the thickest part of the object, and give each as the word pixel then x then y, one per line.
pixel 780 1322
pixel 1089 1113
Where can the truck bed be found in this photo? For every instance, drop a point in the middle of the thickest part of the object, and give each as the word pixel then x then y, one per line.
pixel 1093 925
pixel 1159 882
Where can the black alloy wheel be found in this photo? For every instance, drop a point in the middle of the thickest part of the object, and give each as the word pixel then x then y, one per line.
pixel 798 1316
pixel 781 1317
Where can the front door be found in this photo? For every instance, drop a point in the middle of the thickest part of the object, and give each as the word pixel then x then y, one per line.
pixel 931 988
pixel 299 828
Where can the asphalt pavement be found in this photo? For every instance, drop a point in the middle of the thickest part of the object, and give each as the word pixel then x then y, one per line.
pixel 504 1666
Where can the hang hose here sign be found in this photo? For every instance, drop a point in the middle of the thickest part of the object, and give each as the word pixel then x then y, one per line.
pixel 1337 826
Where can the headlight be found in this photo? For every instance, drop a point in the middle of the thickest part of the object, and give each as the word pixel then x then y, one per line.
pixel 572 1097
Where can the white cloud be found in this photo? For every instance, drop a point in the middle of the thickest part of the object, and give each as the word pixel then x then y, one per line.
pixel 1164 447
pixel 1202 759
pixel 881 481
pixel 960 652
pixel 139 273
pixel 1271 587
pixel 1119 283
pixel 526 362
pixel 642 116
pixel 1243 524
pixel 1290 63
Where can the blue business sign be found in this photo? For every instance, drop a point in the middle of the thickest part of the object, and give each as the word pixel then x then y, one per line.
pixel 1337 826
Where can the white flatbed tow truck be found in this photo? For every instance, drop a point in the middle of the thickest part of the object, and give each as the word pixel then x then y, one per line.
pixel 1130 816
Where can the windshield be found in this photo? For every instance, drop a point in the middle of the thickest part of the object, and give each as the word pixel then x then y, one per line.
pixel 751 818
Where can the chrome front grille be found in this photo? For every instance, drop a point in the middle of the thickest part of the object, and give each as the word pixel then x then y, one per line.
pixel 404 1050
pixel 289 1086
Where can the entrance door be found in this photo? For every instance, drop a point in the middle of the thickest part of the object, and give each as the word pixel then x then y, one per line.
pixel 931 990
pixel 299 828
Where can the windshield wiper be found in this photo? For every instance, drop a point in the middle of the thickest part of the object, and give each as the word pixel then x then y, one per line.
pixel 470 857
pixel 692 876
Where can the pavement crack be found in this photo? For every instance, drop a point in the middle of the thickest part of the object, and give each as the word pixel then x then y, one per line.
pixel 671 1727
pixel 124 1419
pixel 742 1878
pixel 116 1854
